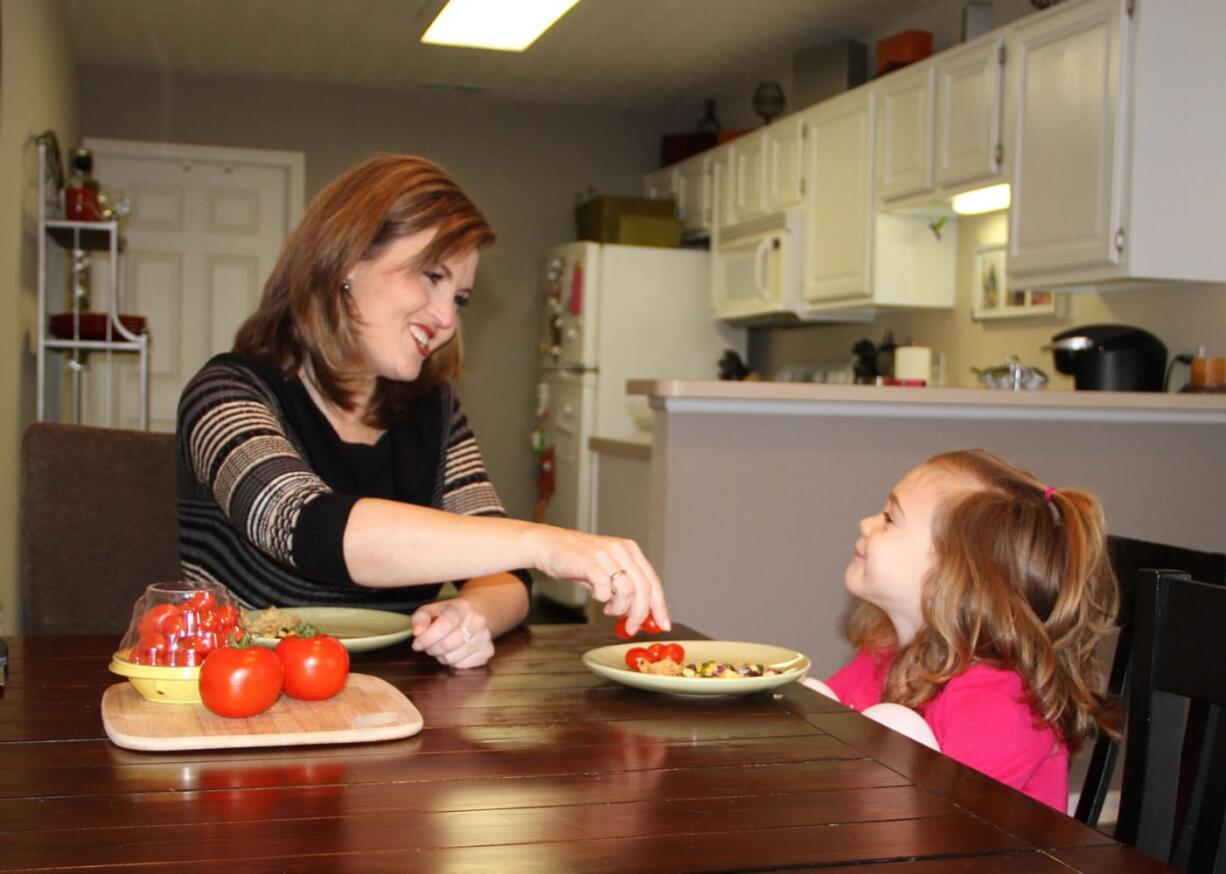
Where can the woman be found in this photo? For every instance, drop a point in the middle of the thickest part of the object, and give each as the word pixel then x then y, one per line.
pixel 327 461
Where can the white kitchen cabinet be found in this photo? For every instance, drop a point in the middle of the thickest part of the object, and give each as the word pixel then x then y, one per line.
pixel 1117 169
pixel 905 101
pixel 784 159
pixel 855 256
pixel 746 158
pixel 662 184
pixel 695 193
pixel 839 203
pixel 969 149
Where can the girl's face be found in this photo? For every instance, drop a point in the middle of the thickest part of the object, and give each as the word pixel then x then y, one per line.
pixel 894 552
pixel 405 310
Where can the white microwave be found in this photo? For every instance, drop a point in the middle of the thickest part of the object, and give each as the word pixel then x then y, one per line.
pixel 757 268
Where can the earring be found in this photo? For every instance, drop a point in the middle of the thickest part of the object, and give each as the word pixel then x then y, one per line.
pixel 346 286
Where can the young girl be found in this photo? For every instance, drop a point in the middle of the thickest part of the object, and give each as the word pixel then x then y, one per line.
pixel 984 593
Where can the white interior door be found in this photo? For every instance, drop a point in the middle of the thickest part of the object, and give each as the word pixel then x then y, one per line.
pixel 205 229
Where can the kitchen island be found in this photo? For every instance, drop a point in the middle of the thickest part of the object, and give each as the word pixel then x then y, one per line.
pixel 757 487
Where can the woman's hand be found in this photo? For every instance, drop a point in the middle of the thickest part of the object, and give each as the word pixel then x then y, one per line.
pixel 454 632
pixel 613 569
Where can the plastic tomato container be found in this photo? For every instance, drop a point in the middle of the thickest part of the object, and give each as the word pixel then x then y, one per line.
pixel 174 626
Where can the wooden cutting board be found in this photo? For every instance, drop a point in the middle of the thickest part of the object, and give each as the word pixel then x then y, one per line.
pixel 367 709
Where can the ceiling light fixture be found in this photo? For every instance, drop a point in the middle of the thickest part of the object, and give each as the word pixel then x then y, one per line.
pixel 990 199
pixel 494 24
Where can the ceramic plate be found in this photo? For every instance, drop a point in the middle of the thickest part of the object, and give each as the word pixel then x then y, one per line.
pixel 610 662
pixel 359 629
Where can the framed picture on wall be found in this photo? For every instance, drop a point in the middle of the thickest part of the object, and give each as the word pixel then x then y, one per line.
pixel 991 297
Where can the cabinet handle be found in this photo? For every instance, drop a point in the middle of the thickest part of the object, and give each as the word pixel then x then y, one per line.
pixel 1119 241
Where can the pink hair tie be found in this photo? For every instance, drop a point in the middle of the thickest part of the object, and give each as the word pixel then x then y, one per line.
pixel 1048 492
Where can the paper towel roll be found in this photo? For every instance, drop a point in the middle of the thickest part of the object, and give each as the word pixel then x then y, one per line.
pixel 913 362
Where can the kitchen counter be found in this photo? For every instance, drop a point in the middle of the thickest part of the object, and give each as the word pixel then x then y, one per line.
pixel 757 488
pixel 803 398
pixel 626 447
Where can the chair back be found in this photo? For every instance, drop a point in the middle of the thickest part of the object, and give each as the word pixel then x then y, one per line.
pixel 1173 805
pixel 99 522
pixel 1128 558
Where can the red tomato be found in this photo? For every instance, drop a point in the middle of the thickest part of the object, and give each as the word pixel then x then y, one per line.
pixel 633 655
pixel 655 652
pixel 162 619
pixel 315 667
pixel 649 624
pixel 620 629
pixel 675 652
pixel 202 601
pixel 240 681
pixel 227 617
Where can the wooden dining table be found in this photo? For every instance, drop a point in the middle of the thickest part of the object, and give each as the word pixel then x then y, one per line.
pixel 531 763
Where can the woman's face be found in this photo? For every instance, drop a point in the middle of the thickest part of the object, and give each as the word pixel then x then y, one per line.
pixel 895 552
pixel 406 310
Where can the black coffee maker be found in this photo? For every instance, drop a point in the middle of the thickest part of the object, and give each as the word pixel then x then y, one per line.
pixel 1110 358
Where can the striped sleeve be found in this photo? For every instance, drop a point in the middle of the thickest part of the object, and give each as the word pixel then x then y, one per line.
pixel 466 486
pixel 236 447
pixel 467 489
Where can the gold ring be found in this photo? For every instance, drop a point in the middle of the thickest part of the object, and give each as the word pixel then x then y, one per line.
pixel 613 576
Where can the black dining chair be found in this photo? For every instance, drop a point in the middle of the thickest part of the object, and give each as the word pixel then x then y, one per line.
pixel 1129 557
pixel 99 522
pixel 1173 804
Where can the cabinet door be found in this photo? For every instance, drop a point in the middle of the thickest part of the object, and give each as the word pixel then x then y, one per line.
pixel 905 105
pixel 694 194
pixel 661 184
pixel 969 148
pixel 1067 163
pixel 747 159
pixel 838 200
pixel 785 181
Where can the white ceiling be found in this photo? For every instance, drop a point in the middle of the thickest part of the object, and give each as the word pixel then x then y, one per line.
pixel 633 53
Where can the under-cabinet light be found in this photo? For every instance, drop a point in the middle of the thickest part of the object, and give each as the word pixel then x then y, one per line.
pixel 500 25
pixel 990 199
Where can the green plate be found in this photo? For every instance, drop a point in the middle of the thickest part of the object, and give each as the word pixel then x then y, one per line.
pixel 610 662
pixel 358 629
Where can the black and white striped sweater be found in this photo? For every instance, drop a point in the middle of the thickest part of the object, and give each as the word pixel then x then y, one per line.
pixel 266 486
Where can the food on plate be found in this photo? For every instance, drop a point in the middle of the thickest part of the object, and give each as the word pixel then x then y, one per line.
pixel 240 680
pixel 668 660
pixel 274 623
pixel 650 626
pixel 728 670
pixel 316 666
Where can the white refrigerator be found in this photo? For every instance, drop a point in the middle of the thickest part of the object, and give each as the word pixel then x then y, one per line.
pixel 613 313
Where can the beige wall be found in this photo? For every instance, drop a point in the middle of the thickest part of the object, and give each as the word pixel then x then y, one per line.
pixel 1183 318
pixel 37 93
pixel 521 162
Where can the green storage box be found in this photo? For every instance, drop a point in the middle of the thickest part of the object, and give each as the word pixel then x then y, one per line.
pixel 649 230
pixel 600 219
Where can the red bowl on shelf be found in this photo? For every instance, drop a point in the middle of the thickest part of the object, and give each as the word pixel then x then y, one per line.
pixel 92 326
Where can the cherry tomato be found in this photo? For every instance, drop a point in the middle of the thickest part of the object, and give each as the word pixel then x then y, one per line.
pixel 227 617
pixel 649 625
pixel 162 619
pixel 674 652
pixel 202 601
pixel 633 655
pixel 315 667
pixel 655 652
pixel 240 681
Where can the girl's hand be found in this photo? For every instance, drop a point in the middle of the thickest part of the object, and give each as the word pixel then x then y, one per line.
pixel 613 569
pixel 454 632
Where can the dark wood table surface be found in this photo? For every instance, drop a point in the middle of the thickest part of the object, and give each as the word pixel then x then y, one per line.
pixel 531 764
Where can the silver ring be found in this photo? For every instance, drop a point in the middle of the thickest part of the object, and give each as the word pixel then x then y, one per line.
pixel 613 576
pixel 468 635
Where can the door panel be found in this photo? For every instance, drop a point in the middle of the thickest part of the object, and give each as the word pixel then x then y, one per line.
pixel 204 232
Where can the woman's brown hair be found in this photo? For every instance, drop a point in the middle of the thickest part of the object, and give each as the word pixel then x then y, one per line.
pixel 1021 579
pixel 306 319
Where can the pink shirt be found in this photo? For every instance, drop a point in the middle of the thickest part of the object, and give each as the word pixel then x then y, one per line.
pixel 981 719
